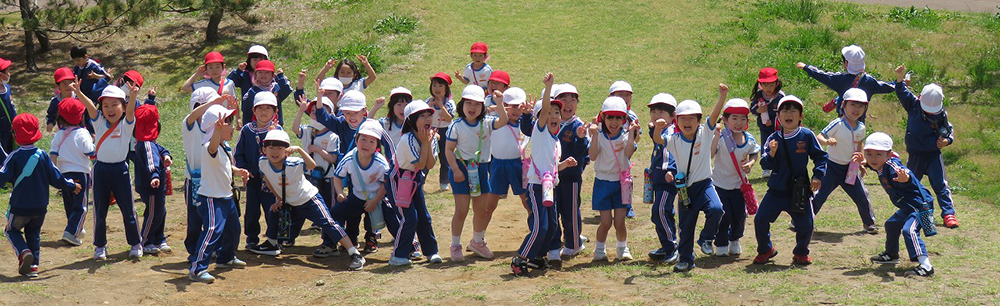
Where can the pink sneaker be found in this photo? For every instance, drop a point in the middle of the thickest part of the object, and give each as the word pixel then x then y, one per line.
pixel 480 249
pixel 456 252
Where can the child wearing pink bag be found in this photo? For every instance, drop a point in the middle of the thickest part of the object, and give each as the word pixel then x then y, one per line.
pixel 611 151
pixel 735 152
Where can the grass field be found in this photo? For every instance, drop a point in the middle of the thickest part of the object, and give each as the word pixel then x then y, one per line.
pixel 680 47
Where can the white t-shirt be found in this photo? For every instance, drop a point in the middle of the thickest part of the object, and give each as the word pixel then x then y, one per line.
pixel 115 147
pixel 326 140
pixel 394 132
pixel 217 173
pixel 680 148
pixel 847 138
pixel 366 179
pixel 192 135
pixel 74 148
pixel 724 174
pixel 478 77
pixel 333 147
pixel 438 119
pixel 469 137
pixel 606 167
pixel 228 89
pixel 298 190
pixel 508 143
pixel 408 151
pixel 545 150
pixel 358 85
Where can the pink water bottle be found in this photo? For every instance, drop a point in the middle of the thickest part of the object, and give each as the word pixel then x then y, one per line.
pixel 548 184
pixel 852 173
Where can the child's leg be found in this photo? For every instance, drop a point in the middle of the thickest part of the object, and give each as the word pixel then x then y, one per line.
pixel 251 217
pixel 539 224
pixel 121 187
pixel 33 235
pixel 663 218
pixel 349 212
pixel 688 220
pixel 147 218
pixel 461 212
pixel 803 232
pixel 711 205
pixel 425 232
pixel 859 195
pixel 403 243
pixel 194 222
pixel 567 195
pixel 102 202
pixel 316 211
pixel 230 232
pixel 481 213
pixel 76 204
pixel 15 232
pixel 607 220
pixel 939 183
pixel 893 228
pixel 499 184
pixel 738 215
pixel 911 236
pixel 835 175
pixel 211 233
pixel 442 160
pixel 621 233
pixel 770 207
pixel 726 223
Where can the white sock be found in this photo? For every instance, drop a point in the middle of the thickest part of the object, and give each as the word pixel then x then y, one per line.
pixel 925 262
pixel 623 244
pixel 600 245
pixel 456 240
pixel 479 236
pixel 353 250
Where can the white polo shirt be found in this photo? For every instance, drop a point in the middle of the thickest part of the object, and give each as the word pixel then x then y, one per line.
pixel 847 137
pixel 115 147
pixel 74 147
pixel 192 136
pixel 508 142
pixel 394 131
pixel 701 162
pixel 478 77
pixel 217 173
pixel 724 174
pixel 545 150
pixel 472 137
pixel 438 119
pixel 298 190
pixel 228 89
pixel 408 151
pixel 326 140
pixel 606 167
pixel 366 179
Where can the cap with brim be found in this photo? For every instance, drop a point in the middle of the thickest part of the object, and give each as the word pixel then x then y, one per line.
pixel 514 96
pixel 855 59
pixel 736 106
pixel 614 106
pixel 25 128
pixel 538 106
pixel 211 117
pixel 265 98
pixel 442 76
pixel 112 92
pixel 688 107
pixel 932 98
pixel 257 49
pixel 277 135
pixel 767 75
pixel 663 98
pixel 474 93
pixel 878 141
pixel 415 107
pixel 353 101
pixel 620 86
pixel 371 128
pixel 400 91
pixel 790 99
pixel 856 95
pixel 203 95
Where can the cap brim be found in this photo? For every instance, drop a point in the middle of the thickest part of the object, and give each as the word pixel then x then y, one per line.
pixel 614 113
pixel 737 111
pixel 932 110
pixel 471 98
pixel 876 148
pixel 767 79
pixel 351 109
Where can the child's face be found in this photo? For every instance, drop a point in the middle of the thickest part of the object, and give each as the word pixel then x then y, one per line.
pixel 80 61
pixel 398 110
pixel 625 95
pixel 657 114
pixel 275 154
pixel 472 109
pixel 614 123
pixel 345 72
pixel 367 145
pixel 790 118
pixel 264 114
pixel 255 60
pixel 492 86
pixel 555 119
pixel 438 89
pixel 215 70
pixel 334 96
pixel 514 113
pixel 478 57
pixel 64 86
pixel 263 78
pixel 688 124
pixel 570 102
pixel 354 118
pixel 113 109
pixel 769 87
pixel 736 122
pixel 226 129
pixel 854 109
pixel 424 120
pixel 876 158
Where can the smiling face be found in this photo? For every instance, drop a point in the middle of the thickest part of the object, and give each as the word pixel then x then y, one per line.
pixel 227 128
pixel 472 109
pixel 478 58
pixel 688 124
pixel 555 116
pixel 264 114
pixel 790 118
pixel 492 86
pixel 570 102
pixel 354 118
pixel 113 109
pixel 398 110
pixel 659 113
pixel 513 112
pixel 736 122
pixel 876 158
pixel 854 109
pixel 215 70
pixel 64 86
pixel 367 145
pixel 276 154
pixel 439 89
pixel 424 119
pixel 263 78
pixel 613 123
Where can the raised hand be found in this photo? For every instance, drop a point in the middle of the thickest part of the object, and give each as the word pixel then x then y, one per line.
pixel 900 72
pixel 902 176
pixel 548 79
pixel 243 66
pixel 660 124
pixel 152 91
pixel 723 88
pixel 330 63
pixel 362 59
pixel 800 65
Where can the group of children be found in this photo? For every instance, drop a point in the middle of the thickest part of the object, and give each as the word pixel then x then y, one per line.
pixel 495 139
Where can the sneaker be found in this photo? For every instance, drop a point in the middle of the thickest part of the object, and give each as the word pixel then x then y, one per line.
pixel 71 239
pixel 287 243
pixel 24 262
pixel 599 255
pixel 735 248
pixel 357 262
pixel 573 252
pixel 479 248
pixel 150 249
pixel 456 253
pixel 707 248
pixel 203 277
pixel 683 267
pixel 416 255
pixel 949 222
pixel 766 174
pixel 658 254
pixel 584 239
pixel 722 251
pixel 396 261
pixel 434 258
pixel 266 248
pixel 920 271
pixel 802 260
pixel 33 272
pixel 631 213
pixel 135 252
pixel 538 263
pixel 519 266
pixel 371 246
pixel 326 251
pixel 765 257
pixel 235 263
pixel 624 254
pixel 555 255
pixel 674 258
pixel 871 229
pixel 100 253
pixel 249 246
pixel 885 259
pixel 444 186
pixel 165 248
pixel 791 225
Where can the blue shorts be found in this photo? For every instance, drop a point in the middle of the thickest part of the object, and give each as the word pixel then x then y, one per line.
pixel 504 173
pixel 463 187
pixel 607 195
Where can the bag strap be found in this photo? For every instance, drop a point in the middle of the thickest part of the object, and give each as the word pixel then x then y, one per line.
pixel 29 166
pixel 517 139
pixel 64 136
pixel 691 154
pixel 555 165
pixel 105 136
pixel 283 199
pixel 615 154
pixel 728 138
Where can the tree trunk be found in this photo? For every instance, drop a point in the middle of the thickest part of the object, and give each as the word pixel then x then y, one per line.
pixel 43 41
pixel 212 32
pixel 28 22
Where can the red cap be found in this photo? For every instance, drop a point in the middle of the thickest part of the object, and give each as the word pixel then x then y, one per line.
pixel 26 129
pixel 214 57
pixel 63 74
pixel 556 102
pixel 500 76
pixel 4 64
pixel 147 119
pixel 265 65
pixel 767 75
pixel 71 110
pixel 134 76
pixel 443 76
pixel 479 47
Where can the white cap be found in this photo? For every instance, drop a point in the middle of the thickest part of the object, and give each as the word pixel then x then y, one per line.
pixel 203 95
pixel 792 99
pixel 415 107
pixel 932 98
pixel 688 107
pixel 614 106
pixel 514 95
pixel 563 89
pixel 211 116
pixel 878 141
pixel 265 98
pixel 258 49
pixel 855 59
pixel 331 83
pixel 371 128
pixel 353 100
pixel 474 93
pixel 736 106
pixel 326 102
pixel 663 98
pixel 112 92
pixel 620 86
pixel 856 94
pixel 277 135
pixel 400 90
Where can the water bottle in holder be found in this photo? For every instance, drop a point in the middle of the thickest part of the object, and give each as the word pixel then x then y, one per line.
pixel 647 186
pixel 473 178
pixel 548 186
pixel 852 173
pixel 625 179
pixel 683 200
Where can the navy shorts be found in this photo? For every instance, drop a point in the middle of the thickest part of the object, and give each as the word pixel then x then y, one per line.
pixel 463 187
pixel 506 173
pixel 607 195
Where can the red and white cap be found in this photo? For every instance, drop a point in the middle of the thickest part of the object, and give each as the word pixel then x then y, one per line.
pixel 265 98
pixel 614 106
pixel 932 98
pixel 371 128
pixel 400 91
pixel 258 49
pixel 415 107
pixel 856 95
pixel 514 96
pixel 203 95
pixel 538 106
pixel 736 106
pixel 791 99
pixel 112 92
pixel 474 93
pixel 564 88
pixel 479 47
pixel 620 86
pixel 212 116
pixel 878 141
pixel 688 107
pixel 500 76
pixel 663 98
pixel 353 101
pixel 277 135
pixel 331 84
pixel 855 59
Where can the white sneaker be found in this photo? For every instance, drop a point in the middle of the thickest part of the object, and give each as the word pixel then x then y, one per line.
pixel 734 248
pixel 444 186
pixel 624 254
pixel 165 248
pixel 706 247
pixel 71 239
pixel 573 252
pixel 136 252
pixel 150 250
pixel 584 239
pixel 100 253
pixel 396 261
pixel 722 251
pixel 235 263
pixel 599 255
pixel 435 258
pixel 766 174
pixel 555 255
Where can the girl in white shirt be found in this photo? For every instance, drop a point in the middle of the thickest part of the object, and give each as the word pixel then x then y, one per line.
pixel 71 149
pixel 415 156
pixel 611 152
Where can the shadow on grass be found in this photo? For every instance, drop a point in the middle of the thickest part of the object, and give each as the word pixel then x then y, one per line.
pixel 831 237
pixel 766 268
pixel 888 273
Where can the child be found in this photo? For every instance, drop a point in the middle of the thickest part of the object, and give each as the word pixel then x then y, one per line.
pixel 735 148
pixel 478 71
pixel 611 152
pixel 287 174
pixel 221 231
pixel 63 77
pixel 469 146
pixel 114 122
pixel 9 110
pixel 266 81
pixel 764 103
pixel 31 171
pixel 414 156
pixel 364 168
pixel 912 199
pixel 927 132
pixel 694 177
pixel 508 148
pixel 151 161
pixel 392 123
pixel 499 81
pixel 575 144
pixel 193 132
pixel 71 149
pixel 545 151
pixel 843 137
pixel 323 146
pixel 133 78
pixel 211 75
pixel 249 149
pixel 623 90
pixel 661 117
pixel 244 76
pixel 347 72
pixel 89 71
pixel 444 112
pixel 331 88
pixel 854 62
pixel 787 153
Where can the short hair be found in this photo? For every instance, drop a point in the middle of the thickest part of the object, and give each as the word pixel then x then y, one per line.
pixel 275 143
pixel 785 106
pixel 663 107
pixel 77 51
pixel 461 110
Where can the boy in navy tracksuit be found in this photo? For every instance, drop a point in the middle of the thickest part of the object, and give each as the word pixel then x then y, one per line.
pixel 151 161
pixel 661 113
pixel 9 111
pixel 792 146
pixel 31 171
pixel 249 149
pixel 927 132
pixel 906 193
pixel 88 71
pixel 854 62
pixel 265 80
